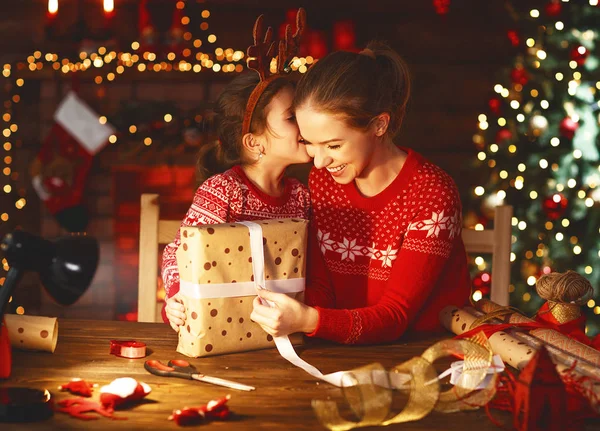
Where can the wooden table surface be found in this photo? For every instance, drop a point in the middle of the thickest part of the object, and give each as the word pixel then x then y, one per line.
pixel 282 399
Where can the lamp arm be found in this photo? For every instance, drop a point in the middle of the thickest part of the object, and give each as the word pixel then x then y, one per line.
pixel 10 283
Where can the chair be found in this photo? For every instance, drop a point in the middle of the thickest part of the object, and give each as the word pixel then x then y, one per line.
pixel 496 241
pixel 153 232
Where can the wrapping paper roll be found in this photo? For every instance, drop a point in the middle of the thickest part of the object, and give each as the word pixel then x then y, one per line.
pixel 517 353
pixel 547 336
pixel 511 350
pixel 32 332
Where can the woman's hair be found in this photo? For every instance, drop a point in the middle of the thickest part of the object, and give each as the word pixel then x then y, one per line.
pixel 358 87
pixel 218 156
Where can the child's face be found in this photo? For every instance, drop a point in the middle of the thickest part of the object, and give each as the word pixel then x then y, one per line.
pixel 283 137
pixel 344 151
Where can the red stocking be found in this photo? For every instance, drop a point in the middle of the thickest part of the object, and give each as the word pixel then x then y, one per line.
pixel 60 170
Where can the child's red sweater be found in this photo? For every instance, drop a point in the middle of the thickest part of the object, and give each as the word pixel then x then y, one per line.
pixel 381 266
pixel 231 197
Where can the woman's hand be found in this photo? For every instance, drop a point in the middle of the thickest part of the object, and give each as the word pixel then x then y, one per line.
pixel 175 311
pixel 286 316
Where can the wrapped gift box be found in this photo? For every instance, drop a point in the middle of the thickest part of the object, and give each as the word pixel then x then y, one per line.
pixel 217 282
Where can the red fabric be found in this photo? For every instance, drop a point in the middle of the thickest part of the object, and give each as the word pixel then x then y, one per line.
pixel 76 407
pixel 213 410
pixel 540 396
pixel 5 352
pixel 381 265
pixel 78 387
pixel 231 197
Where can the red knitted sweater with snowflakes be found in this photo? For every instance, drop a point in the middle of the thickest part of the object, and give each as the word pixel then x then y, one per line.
pixel 382 266
pixel 231 197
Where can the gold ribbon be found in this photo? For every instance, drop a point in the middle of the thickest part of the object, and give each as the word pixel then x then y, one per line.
pixel 369 390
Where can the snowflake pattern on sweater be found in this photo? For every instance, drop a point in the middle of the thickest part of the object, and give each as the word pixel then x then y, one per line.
pixel 386 262
pixel 231 197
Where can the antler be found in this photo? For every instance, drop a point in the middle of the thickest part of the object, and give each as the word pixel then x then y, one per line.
pixel 260 54
pixel 289 46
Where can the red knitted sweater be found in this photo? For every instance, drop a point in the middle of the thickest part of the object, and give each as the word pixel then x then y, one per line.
pixel 381 266
pixel 231 197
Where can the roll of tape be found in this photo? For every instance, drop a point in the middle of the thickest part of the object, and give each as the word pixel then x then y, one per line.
pixel 128 349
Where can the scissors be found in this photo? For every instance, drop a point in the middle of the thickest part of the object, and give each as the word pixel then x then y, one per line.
pixel 184 370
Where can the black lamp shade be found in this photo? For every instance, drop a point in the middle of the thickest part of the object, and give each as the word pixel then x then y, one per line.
pixel 66 265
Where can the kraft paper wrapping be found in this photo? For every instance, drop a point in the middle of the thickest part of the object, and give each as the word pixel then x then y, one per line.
pixel 220 254
pixel 517 352
pixel 547 336
pixel 511 350
pixel 32 332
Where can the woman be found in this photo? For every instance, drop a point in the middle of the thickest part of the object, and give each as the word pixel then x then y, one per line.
pixel 386 253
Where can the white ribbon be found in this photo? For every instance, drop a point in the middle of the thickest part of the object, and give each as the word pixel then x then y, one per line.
pixel 284 346
pixel 232 290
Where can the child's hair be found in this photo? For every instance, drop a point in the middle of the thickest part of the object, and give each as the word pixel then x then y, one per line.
pixel 358 87
pixel 218 156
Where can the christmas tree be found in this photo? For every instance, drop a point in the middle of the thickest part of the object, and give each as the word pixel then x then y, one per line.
pixel 539 149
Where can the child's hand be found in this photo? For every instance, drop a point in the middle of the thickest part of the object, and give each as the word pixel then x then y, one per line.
pixel 175 312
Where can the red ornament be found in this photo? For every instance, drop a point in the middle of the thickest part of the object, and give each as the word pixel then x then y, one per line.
pixel 553 8
pixel 519 75
pixel 579 54
pixel 495 105
pixel 482 282
pixel 503 135
pixel 568 127
pixel 513 36
pixel 555 206
pixel 78 387
pixel 441 6
pixel 344 36
pixel 315 44
pixel 213 410
pixel 540 396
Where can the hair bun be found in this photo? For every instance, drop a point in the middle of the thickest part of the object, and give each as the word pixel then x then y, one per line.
pixel 369 53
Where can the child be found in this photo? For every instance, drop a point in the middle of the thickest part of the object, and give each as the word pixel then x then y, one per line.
pixel 387 253
pixel 254 187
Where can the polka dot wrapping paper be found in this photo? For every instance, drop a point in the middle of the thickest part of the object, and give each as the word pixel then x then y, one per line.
pixel 32 332
pixel 217 282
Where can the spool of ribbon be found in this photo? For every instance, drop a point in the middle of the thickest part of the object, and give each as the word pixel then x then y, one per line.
pixel 130 349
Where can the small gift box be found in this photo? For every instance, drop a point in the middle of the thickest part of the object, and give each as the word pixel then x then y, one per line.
pixel 217 266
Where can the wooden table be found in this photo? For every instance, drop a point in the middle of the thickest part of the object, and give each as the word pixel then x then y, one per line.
pixel 281 401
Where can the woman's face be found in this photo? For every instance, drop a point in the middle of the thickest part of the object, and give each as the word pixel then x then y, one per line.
pixel 284 142
pixel 344 151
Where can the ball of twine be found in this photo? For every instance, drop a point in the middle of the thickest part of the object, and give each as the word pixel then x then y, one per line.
pixel 566 287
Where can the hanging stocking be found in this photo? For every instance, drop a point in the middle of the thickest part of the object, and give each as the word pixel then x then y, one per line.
pixel 174 40
pixel 60 170
pixel 147 29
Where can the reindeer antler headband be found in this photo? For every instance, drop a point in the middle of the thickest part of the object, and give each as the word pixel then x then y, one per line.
pixel 261 53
